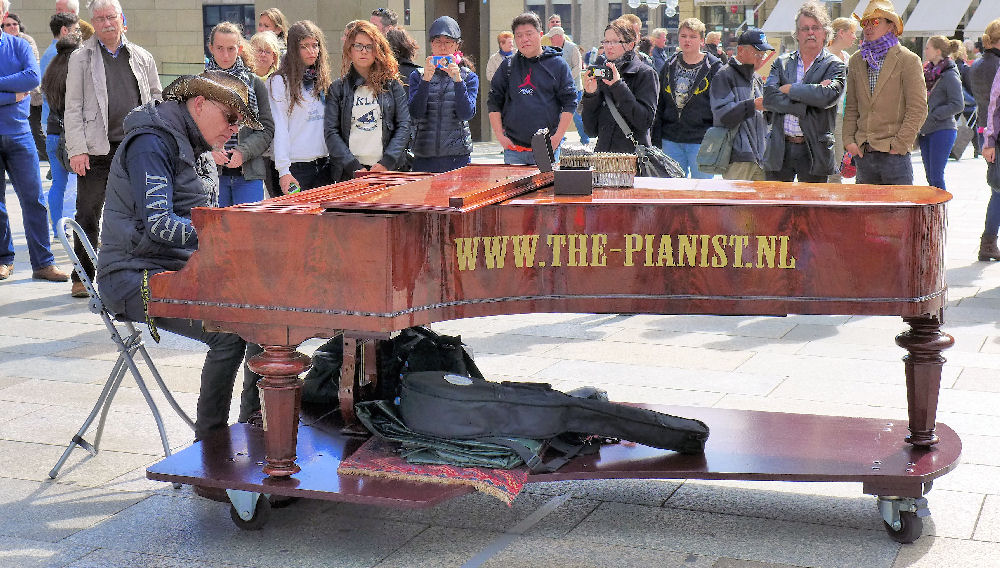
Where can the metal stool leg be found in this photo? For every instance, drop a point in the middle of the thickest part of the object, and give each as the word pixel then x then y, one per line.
pixel 127 347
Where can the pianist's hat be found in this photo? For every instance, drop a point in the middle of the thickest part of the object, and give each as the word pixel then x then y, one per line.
pixel 217 86
pixel 881 9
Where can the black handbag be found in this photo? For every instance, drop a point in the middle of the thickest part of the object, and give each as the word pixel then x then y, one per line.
pixel 650 160
pixel 993 175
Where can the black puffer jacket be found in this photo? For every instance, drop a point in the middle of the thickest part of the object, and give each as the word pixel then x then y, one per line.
pixel 147 217
pixel 634 97
pixel 337 125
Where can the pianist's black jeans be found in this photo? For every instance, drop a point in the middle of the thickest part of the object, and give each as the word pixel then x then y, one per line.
pixel 226 354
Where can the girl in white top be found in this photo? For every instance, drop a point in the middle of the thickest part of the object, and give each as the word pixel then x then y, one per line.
pixel 297 100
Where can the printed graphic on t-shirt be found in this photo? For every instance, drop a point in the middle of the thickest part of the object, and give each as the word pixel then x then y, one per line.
pixel 365 140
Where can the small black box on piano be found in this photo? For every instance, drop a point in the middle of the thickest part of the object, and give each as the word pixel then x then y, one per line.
pixel 574 182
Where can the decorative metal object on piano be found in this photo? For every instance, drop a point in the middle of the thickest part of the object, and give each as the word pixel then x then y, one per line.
pixel 610 169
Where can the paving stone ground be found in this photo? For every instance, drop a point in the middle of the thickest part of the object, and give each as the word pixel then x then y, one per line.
pixel 102 512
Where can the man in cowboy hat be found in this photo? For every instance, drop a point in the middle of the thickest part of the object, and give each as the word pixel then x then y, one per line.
pixel 162 169
pixel 886 100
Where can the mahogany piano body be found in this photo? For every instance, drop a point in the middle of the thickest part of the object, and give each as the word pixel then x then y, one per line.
pixel 385 252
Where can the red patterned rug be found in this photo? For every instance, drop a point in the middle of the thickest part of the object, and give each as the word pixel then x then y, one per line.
pixel 378 458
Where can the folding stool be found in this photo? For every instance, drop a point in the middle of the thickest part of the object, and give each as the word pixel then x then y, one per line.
pixel 127 343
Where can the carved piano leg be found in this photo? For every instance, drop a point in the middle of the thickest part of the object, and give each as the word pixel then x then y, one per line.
pixel 280 397
pixel 924 342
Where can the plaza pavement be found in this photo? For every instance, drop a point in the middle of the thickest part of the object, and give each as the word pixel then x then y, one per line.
pixel 102 512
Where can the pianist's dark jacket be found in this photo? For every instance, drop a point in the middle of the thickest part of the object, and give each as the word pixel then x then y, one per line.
pixel 147 227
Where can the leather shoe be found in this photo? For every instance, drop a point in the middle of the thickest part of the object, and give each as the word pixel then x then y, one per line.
pixel 6 270
pixel 79 290
pixel 50 273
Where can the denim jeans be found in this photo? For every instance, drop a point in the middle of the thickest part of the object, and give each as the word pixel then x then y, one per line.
pixel 234 190
pixel 20 160
pixel 515 158
pixel 795 163
pixel 686 155
pixel 578 120
pixel 935 149
pixel 993 215
pixel 311 174
pixel 60 178
pixel 883 168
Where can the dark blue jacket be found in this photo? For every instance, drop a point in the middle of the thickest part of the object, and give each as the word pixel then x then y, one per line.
pixel 687 125
pixel 440 111
pixel 531 93
pixel 163 168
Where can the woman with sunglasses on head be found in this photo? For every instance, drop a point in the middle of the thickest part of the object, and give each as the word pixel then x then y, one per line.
pixel 297 93
pixel 442 101
pixel 241 162
pixel 628 84
pixel 367 118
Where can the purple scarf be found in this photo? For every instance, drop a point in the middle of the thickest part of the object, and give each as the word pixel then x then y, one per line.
pixel 874 52
pixel 933 72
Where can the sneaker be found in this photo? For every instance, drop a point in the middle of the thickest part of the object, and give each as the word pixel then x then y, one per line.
pixel 50 273
pixel 6 270
pixel 79 290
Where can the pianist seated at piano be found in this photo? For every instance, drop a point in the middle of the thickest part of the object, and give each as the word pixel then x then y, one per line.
pixel 162 169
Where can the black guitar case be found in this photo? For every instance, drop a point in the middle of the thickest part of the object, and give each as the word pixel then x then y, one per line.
pixel 454 406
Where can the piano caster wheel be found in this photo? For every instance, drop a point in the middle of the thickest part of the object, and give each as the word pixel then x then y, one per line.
pixel 249 511
pixel 902 517
pixel 910 528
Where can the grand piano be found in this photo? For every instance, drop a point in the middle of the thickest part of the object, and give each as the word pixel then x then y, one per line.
pixel 384 252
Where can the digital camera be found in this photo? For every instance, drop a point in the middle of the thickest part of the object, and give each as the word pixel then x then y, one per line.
pixel 441 61
pixel 599 71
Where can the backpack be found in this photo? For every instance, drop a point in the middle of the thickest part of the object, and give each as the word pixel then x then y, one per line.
pixel 413 349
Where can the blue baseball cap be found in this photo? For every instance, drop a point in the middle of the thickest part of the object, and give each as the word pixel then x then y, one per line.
pixel 755 37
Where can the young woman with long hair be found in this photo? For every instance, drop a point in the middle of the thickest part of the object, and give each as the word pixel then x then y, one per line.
pixel 297 93
pixel 442 102
pixel 54 87
pixel 241 162
pixel 367 119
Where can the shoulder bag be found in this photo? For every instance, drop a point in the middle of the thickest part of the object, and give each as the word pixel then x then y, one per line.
pixel 650 160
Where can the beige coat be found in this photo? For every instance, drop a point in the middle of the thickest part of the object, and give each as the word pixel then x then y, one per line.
pixel 890 118
pixel 86 117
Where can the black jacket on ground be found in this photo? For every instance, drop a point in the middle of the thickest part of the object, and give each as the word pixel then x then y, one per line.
pixel 635 98
pixel 687 125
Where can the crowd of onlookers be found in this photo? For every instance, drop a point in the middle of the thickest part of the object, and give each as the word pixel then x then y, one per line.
pixel 812 114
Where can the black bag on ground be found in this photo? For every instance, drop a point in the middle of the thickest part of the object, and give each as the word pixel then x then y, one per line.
pixel 454 406
pixel 413 349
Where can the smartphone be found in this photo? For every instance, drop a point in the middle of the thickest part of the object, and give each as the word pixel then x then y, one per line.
pixel 441 61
